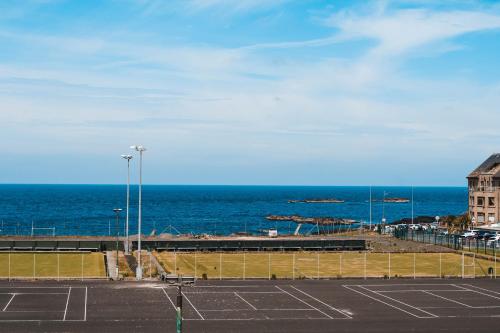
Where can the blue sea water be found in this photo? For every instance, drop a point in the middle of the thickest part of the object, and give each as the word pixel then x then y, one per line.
pixel 88 209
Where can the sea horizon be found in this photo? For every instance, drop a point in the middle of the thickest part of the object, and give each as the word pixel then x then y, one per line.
pixel 87 209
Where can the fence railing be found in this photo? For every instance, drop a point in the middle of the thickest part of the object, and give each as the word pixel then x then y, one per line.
pixel 50 265
pixel 456 242
pixel 325 265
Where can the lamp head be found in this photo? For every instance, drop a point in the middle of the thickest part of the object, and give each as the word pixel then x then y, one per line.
pixel 117 210
pixel 138 148
pixel 127 157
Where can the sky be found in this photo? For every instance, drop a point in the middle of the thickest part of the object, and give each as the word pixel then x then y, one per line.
pixel 270 92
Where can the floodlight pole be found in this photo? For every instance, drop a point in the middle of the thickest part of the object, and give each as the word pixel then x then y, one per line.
pixel 138 272
pixel 370 208
pixel 128 158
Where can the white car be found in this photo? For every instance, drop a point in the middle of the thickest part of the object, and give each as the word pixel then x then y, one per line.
pixel 493 239
pixel 468 234
pixel 413 226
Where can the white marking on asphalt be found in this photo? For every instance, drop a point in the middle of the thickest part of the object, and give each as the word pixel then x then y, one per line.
pixel 8 303
pixel 67 302
pixel 195 309
pixel 401 302
pixel 320 301
pixel 381 301
pixel 304 302
pixel 244 300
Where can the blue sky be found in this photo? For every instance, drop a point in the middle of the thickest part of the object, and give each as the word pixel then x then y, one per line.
pixel 249 91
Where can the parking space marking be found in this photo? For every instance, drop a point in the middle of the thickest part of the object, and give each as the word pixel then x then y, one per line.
pixel 305 302
pixel 381 301
pixel 8 303
pixel 195 309
pixel 447 299
pixel 320 301
pixel 244 300
pixel 67 302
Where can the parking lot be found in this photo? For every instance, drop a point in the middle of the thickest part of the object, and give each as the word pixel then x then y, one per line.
pixel 253 306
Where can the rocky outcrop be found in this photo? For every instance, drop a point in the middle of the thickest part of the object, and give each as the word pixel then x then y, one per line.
pixel 310 220
pixel 331 200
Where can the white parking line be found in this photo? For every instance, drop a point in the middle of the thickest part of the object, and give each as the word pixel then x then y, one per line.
pixel 171 302
pixel 381 301
pixel 401 302
pixel 304 302
pixel 85 310
pixel 8 303
pixel 320 301
pixel 244 300
pixel 67 302
pixel 195 309
pixel 479 292
pixel 447 299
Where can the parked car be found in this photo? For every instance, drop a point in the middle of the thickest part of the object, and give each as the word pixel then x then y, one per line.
pixel 469 234
pixel 493 239
pixel 413 226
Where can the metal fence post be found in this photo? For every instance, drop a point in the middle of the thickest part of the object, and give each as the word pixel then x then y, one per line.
pixel 389 265
pixel 365 267
pixel 317 265
pixel 34 266
pixel 340 264
pixel 293 266
pixel 9 266
pixel 269 266
pixel 150 266
pixel 58 269
pixel 195 265
pixel 414 265
pixel 495 265
pixel 440 264
pixel 81 254
pixel 175 262
pixel 220 266
pixel 463 258
pixel 244 265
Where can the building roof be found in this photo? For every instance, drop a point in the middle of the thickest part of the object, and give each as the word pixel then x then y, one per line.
pixel 490 166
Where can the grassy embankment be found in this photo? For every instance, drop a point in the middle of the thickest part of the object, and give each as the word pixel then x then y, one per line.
pixel 43 265
pixel 322 264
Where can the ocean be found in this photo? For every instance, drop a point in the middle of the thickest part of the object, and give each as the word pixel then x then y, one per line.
pixel 221 210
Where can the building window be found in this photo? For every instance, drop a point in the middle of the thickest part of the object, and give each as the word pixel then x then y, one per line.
pixel 491 202
pixel 480 201
pixel 491 218
pixel 480 217
pixel 471 200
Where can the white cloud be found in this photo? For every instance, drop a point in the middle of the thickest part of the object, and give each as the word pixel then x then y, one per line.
pixel 400 31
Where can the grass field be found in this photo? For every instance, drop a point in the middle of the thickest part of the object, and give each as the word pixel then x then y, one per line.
pixel 323 264
pixel 44 265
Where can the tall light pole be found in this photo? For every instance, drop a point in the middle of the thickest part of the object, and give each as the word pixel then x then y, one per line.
pixel 370 208
pixel 128 158
pixel 117 212
pixel 138 271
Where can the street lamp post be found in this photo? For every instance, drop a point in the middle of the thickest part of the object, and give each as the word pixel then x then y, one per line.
pixel 138 272
pixel 128 158
pixel 117 212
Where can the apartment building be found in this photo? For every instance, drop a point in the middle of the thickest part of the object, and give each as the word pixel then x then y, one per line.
pixel 484 192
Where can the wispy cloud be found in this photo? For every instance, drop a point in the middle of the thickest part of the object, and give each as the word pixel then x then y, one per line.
pixel 402 30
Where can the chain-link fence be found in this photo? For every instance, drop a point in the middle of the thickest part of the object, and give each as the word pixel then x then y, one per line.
pixel 324 265
pixel 50 265
pixel 457 242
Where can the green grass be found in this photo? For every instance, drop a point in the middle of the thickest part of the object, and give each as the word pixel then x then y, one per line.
pixel 43 265
pixel 321 264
